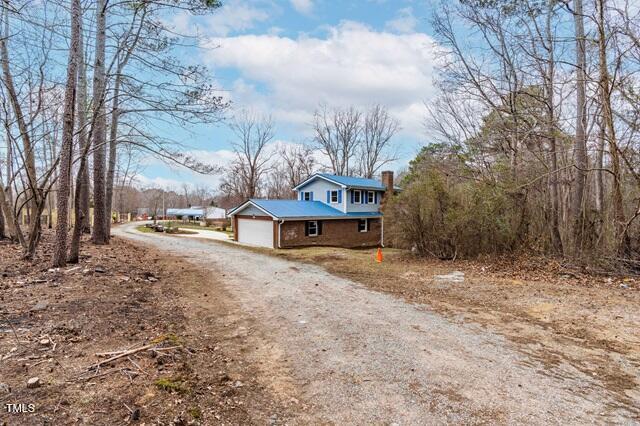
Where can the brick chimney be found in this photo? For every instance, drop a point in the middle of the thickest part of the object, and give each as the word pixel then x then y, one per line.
pixel 387 182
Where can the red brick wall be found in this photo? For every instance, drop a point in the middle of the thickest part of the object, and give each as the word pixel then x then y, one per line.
pixel 337 232
pixel 234 225
pixel 387 181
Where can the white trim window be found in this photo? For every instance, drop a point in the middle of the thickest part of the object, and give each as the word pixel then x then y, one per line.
pixel 357 196
pixel 334 196
pixel 371 198
pixel 363 225
pixel 306 196
pixel 312 228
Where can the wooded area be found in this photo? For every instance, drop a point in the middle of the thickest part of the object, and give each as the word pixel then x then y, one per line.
pixel 534 137
pixel 59 131
pixel 531 145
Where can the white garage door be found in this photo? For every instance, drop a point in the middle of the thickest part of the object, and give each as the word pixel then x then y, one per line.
pixel 255 232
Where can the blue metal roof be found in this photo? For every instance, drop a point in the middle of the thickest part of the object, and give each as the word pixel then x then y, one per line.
pixel 356 182
pixel 348 181
pixel 298 209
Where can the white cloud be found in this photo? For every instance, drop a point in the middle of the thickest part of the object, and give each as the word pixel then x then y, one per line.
pixel 403 23
pixel 352 65
pixel 181 23
pixel 235 16
pixel 303 6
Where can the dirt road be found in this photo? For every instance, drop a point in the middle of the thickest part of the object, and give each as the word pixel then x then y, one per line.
pixel 347 354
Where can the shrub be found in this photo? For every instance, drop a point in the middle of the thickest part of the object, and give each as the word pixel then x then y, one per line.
pixel 449 217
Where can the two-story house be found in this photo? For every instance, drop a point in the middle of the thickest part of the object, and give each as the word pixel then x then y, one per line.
pixel 330 210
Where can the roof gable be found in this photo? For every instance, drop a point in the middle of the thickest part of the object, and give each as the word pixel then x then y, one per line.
pixel 249 203
pixel 344 181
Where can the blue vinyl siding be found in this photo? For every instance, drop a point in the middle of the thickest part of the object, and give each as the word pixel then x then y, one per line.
pixel 365 205
pixel 321 190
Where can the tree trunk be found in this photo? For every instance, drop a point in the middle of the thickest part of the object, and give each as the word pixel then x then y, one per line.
pixel 6 198
pixel 113 134
pixel 113 139
pixel 599 165
pixel 99 128
pixel 81 111
pixel 580 143
pixel 66 153
pixel 598 188
pixel 74 250
pixel 12 226
pixel 34 232
pixel 81 193
pixel 621 237
pixel 556 239
pixel 2 230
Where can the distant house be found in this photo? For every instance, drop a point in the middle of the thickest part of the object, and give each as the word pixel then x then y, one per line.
pixel 196 213
pixel 187 215
pixel 330 210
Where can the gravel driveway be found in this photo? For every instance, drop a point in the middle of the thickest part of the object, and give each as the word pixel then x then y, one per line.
pixel 355 356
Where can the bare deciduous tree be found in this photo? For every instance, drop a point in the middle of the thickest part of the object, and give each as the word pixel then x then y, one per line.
pixel 34 116
pixel 337 134
pixel 378 129
pixel 82 181
pixel 99 127
pixel 299 163
pixel 126 48
pixel 66 153
pixel 580 140
pixel 253 132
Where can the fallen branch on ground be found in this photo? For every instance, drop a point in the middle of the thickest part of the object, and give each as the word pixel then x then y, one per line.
pixel 125 353
pixel 137 366
pixel 120 355
pixel 165 349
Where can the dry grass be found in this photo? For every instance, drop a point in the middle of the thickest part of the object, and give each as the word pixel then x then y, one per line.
pixel 550 313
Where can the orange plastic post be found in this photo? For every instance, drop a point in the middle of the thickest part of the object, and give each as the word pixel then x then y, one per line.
pixel 379 255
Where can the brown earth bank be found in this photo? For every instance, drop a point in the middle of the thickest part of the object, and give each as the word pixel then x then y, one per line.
pixel 554 313
pixel 56 323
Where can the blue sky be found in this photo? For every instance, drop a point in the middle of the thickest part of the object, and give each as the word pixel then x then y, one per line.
pixel 285 57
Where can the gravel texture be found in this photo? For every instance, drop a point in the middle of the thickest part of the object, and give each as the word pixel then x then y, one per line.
pixel 353 356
